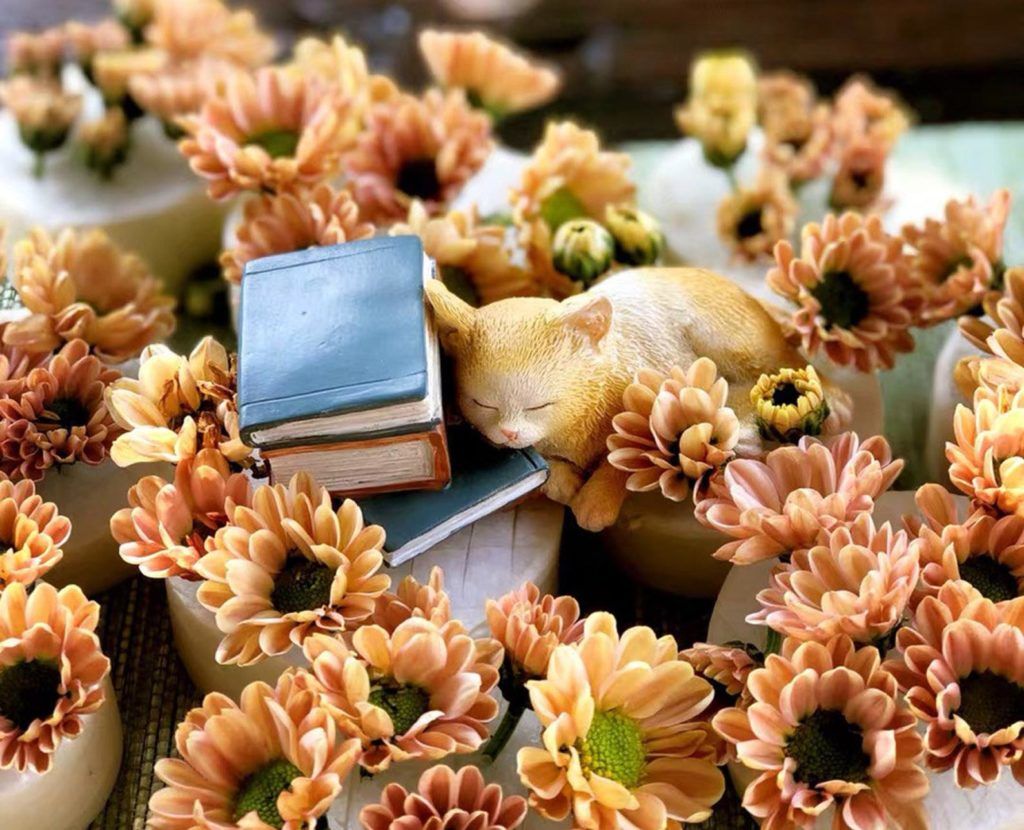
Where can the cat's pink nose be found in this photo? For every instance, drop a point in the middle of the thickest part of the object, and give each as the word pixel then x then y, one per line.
pixel 510 434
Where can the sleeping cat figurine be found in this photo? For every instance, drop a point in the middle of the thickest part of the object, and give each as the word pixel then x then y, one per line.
pixel 547 374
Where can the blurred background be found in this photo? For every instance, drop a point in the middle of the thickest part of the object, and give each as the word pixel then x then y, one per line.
pixel 626 60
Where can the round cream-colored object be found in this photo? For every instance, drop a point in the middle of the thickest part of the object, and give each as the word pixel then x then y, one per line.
pixel 660 543
pixel 89 495
pixel 154 205
pixel 489 189
pixel 77 787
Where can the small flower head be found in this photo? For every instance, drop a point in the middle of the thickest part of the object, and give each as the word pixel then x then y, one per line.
pixel 785 101
pixel 179 90
pixel 582 250
pixel 722 105
pixel 104 142
pixel 638 237
pixel 860 179
pixel 43 112
pixel 189 29
pixel 789 404
pixel 414 599
pixel 134 15
pixel 86 40
pixel 802 150
pixel 752 220
pixel 860 109
pixel 36 53
pixel 113 71
pixel 32 533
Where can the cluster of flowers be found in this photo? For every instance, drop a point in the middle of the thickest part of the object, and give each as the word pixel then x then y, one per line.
pixel 156 56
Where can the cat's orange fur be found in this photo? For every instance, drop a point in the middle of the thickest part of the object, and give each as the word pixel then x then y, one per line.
pixel 536 372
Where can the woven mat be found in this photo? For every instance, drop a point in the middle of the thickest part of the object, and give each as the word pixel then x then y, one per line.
pixel 154 693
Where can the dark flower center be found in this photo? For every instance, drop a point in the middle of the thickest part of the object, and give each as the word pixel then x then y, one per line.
pixel 860 178
pixel 843 302
pixel 796 142
pixel 827 747
pixel 276 142
pixel 614 748
pixel 29 691
pixel 68 412
pixel 989 702
pixel 785 394
pixel 750 224
pixel 404 704
pixel 260 790
pixel 303 585
pixel 955 265
pixel 418 178
pixel 990 576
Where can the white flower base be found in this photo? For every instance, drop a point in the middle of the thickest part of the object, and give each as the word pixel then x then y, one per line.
pixel 945 398
pixel 489 188
pixel 154 205
pixel 76 788
pixel 486 559
pixel 659 542
pixel 89 495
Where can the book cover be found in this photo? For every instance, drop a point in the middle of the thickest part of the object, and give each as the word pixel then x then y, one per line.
pixel 484 479
pixel 332 330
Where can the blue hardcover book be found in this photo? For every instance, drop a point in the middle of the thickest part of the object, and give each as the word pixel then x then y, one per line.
pixel 485 478
pixel 335 345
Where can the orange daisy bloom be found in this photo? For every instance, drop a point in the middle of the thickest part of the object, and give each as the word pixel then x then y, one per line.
pixel 51 672
pixel 860 179
pixel 862 109
pixel 751 220
pixel 179 90
pixel 1005 339
pixel 36 53
pixel 31 534
pixel 414 599
pixel 827 729
pixel 190 29
pixel 803 148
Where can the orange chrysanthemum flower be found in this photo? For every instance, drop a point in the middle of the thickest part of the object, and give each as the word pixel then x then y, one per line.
pixel 290 222
pixel 620 747
pixel 751 220
pixel 423 148
pixel 857 582
pixel 31 534
pixel 82 285
pixel 852 288
pixel 51 672
pixel 287 567
pixel 445 800
pixel 962 671
pixel 165 529
pixel 16 364
pixel 414 599
pixel 270 131
pixel 60 417
pixel 420 692
pixel 179 90
pixel 36 53
pixel 190 29
pixel 827 730
pixel 803 148
pixel 87 39
pixel 861 109
pixel 501 79
pixel 274 761
pixel 860 178
pixel 1004 339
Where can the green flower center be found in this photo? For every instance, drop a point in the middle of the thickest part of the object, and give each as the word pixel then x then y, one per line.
pixel 843 302
pixel 260 790
pixel 750 224
pixel 993 578
pixel 277 142
pixel 404 704
pixel 68 413
pixel 827 747
pixel 614 748
pixel 785 394
pixel 560 207
pixel 418 178
pixel 29 691
pixel 303 585
pixel 990 702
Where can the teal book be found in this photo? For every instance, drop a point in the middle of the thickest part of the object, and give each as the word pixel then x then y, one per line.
pixel 484 479
pixel 335 345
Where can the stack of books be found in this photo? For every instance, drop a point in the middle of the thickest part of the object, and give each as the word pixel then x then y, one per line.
pixel 339 375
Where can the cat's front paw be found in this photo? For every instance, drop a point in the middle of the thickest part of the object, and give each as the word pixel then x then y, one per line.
pixel 564 482
pixel 595 509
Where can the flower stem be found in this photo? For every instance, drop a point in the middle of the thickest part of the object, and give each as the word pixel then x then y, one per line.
pixel 516 707
pixel 39 165
pixel 730 171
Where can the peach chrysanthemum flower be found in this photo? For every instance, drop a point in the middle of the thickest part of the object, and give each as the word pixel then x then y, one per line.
pixel 962 671
pixel 852 288
pixel 177 406
pixel 568 177
pixel 726 667
pixel 959 259
pixel 783 503
pixel 165 528
pixel 414 599
pixel 51 672
pixel 112 73
pixel 751 220
pixel 827 729
pixel 857 582
pixel 291 222
pixel 179 90
pixel 288 566
pixel 80 284
pixel 620 745
pixel 804 150
pixel 60 417
pixel 529 627
pixel 43 112
pixel 32 532
pixel 494 76
pixel 860 178
pixel 87 39
pixel 36 53
pixel 421 692
pixel 190 29
pixel 673 431
pixel 785 101
pixel 983 550
pixel 274 761
pixel 445 800
pixel 423 148
pixel 16 363
pixel 862 109
pixel 986 461
pixel 1004 337
pixel 270 131
pixel 103 142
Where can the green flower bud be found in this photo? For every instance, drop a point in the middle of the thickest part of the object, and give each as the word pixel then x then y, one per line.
pixel 583 250
pixel 638 236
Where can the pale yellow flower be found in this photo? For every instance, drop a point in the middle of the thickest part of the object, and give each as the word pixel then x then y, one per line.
pixel 722 105
pixel 789 404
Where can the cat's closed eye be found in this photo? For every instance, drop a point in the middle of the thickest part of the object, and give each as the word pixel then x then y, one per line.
pixel 540 406
pixel 484 405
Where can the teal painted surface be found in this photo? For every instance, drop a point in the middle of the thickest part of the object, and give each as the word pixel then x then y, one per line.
pixel 980 158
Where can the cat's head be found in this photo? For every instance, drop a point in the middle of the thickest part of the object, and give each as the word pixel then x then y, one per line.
pixel 522 365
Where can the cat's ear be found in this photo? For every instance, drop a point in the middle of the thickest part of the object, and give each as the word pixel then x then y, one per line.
pixel 591 319
pixel 452 316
